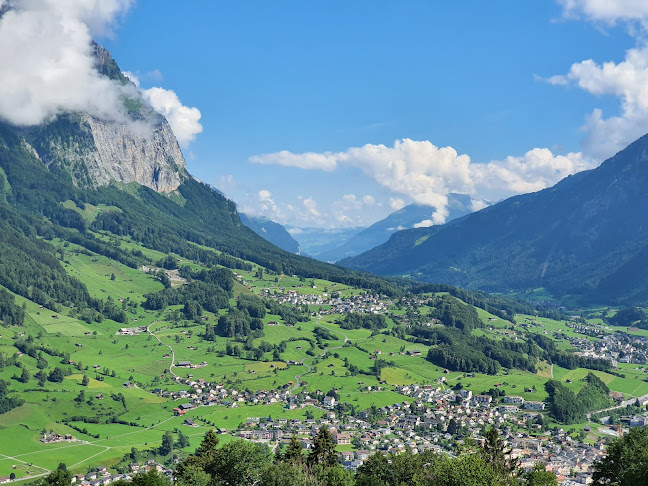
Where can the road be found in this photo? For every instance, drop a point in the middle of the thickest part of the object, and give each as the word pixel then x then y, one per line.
pixel 298 381
pixel 623 404
pixel 148 329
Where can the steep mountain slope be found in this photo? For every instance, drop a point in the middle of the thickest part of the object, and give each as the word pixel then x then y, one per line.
pixel 271 231
pixel 99 184
pixel 405 218
pixel 586 235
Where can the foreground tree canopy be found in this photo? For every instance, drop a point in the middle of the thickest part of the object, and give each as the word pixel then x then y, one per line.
pixel 243 463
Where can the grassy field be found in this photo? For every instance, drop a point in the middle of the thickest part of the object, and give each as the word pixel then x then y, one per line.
pixel 110 361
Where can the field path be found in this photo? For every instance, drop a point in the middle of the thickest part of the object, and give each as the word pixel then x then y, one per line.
pixel 25 478
pixel 148 329
pixel 298 381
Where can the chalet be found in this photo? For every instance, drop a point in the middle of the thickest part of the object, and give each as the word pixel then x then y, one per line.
pixel 184 364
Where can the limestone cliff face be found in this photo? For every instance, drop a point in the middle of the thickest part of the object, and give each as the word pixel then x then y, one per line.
pixel 96 152
pixel 139 147
pixel 147 154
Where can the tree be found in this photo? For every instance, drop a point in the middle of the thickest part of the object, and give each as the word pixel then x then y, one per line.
pixel 167 443
pixel 56 375
pixel 285 474
pixel 183 440
pixel 539 476
pixel 496 455
pixel 204 455
pixel 293 452
pixel 80 397
pixel 24 376
pixel 626 463
pixel 194 476
pixel 60 477
pixel 239 463
pixel 85 381
pixel 323 452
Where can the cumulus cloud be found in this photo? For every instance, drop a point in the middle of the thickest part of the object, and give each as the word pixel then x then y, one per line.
pixel 46 59
pixel 184 121
pixel 607 11
pixel 47 66
pixel 628 81
pixel 396 203
pixel 427 174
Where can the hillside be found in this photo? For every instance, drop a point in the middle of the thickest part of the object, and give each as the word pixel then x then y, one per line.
pixel 271 231
pixel 587 236
pixel 405 218
pixel 138 313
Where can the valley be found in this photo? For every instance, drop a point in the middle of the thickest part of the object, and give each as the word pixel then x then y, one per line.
pixel 137 384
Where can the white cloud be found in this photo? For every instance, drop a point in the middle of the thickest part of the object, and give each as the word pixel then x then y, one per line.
pixel 396 203
pixel 184 121
pixel 368 200
pixel 311 160
pixel 628 81
pixel 478 204
pixel 607 11
pixel 427 174
pixel 426 223
pixel 47 62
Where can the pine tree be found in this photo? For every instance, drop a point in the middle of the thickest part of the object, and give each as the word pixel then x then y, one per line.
pixel 85 380
pixel 323 452
pixel 293 452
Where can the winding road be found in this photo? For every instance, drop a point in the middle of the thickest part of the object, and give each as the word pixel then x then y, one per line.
pixel 148 329
pixel 298 381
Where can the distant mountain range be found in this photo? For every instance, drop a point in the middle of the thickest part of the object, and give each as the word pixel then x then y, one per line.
pixel 587 235
pixel 378 233
pixel 271 231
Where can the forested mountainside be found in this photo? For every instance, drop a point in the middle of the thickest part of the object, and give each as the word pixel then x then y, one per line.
pixel 586 236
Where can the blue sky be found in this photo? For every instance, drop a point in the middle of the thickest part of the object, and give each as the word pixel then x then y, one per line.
pixel 336 113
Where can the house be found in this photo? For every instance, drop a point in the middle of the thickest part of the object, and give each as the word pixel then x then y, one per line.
pixel 329 402
pixel 184 364
pixel 414 352
pixel 483 399
pixel 531 405
pixel 513 400
pixel 342 438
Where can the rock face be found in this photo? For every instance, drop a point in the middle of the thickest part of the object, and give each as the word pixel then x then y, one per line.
pixel 148 155
pixel 137 147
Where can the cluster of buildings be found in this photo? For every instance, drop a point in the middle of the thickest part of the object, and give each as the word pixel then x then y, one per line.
pixel 102 476
pixel 368 303
pixel 617 348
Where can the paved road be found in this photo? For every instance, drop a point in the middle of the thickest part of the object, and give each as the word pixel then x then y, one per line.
pixel 623 404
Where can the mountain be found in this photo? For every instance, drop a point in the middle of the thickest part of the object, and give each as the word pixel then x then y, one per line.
pixel 271 231
pixel 587 236
pixel 378 233
pixel 101 184
pixel 314 241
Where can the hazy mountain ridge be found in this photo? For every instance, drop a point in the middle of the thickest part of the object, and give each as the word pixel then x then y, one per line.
pixel 378 233
pixel 273 232
pixel 586 235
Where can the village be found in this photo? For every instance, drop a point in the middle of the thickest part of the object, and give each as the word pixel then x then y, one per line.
pixel 431 418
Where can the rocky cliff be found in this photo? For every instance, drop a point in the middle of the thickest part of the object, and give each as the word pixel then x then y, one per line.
pixel 137 147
